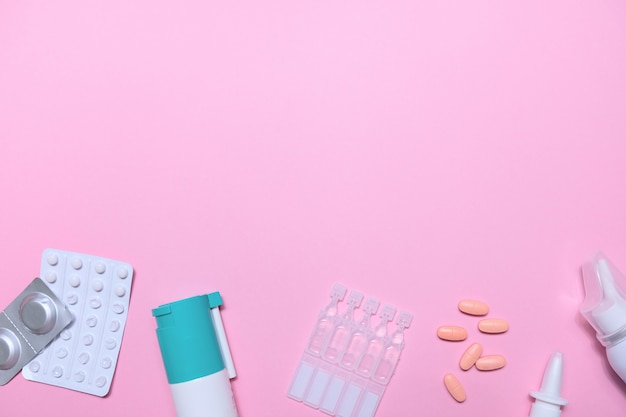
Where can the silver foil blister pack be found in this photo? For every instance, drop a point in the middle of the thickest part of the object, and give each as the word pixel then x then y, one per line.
pixel 28 324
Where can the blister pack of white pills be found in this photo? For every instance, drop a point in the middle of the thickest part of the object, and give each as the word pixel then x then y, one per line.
pixel 347 364
pixel 96 291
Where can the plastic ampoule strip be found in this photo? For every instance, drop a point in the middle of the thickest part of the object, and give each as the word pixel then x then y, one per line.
pixel 391 353
pixel 376 343
pixel 360 336
pixel 325 321
pixel 342 329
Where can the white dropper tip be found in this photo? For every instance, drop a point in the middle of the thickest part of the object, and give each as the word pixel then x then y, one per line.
pixel 548 400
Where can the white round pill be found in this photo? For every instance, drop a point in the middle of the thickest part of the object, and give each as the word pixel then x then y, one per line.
pixel 52 259
pixel 100 267
pixel 51 277
pixel 92 321
pixel 110 344
pixel 117 308
pixel 77 263
pixel 72 299
pixel 97 285
pixel 57 372
pixel 83 358
pixel 34 366
pixel 61 353
pixel 88 340
pixel 74 280
pixel 95 303
pixel 122 273
pixel 120 291
pixel 79 376
pixel 115 326
pixel 66 335
pixel 101 382
pixel 106 363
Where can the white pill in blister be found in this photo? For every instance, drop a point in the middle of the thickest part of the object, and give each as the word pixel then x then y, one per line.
pixel 120 291
pixel 100 267
pixel 88 340
pixel 72 299
pixel 100 382
pixel 77 263
pixel 62 353
pixel 34 366
pixel 57 372
pixel 83 358
pixel 92 321
pixel 97 285
pixel 117 308
pixel 52 259
pixel 66 335
pixel 95 303
pixel 122 273
pixel 110 344
pixel 74 281
pixel 79 376
pixel 51 277
pixel 106 363
pixel 115 326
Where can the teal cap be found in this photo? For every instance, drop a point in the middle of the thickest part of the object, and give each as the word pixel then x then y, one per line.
pixel 187 337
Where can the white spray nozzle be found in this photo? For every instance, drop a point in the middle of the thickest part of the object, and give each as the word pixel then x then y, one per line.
pixel 548 400
pixel 223 342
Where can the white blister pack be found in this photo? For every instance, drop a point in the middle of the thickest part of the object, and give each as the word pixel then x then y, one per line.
pixel 97 292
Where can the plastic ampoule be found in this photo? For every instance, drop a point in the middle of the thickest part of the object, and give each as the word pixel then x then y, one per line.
pixel 344 326
pixel 359 337
pixel 325 321
pixel 376 343
pixel 391 355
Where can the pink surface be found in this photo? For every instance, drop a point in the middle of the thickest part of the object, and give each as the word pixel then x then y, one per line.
pixel 420 152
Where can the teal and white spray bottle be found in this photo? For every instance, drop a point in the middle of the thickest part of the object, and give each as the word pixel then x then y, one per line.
pixel 196 356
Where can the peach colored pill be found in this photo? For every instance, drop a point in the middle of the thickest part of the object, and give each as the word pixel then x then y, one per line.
pixel 473 307
pixel 454 387
pixel 490 363
pixel 493 326
pixel 470 356
pixel 452 333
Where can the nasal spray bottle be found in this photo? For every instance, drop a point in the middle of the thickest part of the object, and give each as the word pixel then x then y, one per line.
pixel 604 307
pixel 196 356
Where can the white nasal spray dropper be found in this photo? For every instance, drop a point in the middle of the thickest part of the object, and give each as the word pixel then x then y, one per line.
pixel 604 308
pixel 548 400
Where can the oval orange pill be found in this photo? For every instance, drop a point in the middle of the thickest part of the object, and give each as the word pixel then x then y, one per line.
pixel 493 326
pixel 473 307
pixel 454 387
pixel 452 333
pixel 470 356
pixel 490 363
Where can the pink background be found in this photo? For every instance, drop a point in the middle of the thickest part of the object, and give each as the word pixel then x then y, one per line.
pixel 418 151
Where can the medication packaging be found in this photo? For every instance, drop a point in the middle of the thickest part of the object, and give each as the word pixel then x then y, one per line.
pixel 27 325
pixel 347 364
pixel 97 292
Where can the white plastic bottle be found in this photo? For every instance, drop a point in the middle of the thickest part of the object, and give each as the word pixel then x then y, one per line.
pixel 604 308
pixel 196 356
